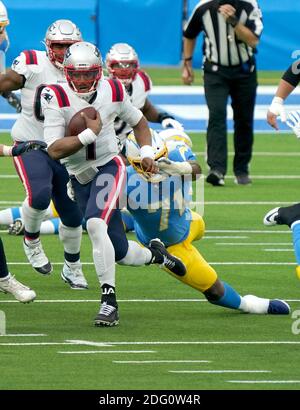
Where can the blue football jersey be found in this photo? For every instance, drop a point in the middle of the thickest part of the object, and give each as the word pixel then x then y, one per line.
pixel 159 209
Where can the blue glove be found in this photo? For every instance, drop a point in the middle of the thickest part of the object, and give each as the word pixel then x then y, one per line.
pixel 27 146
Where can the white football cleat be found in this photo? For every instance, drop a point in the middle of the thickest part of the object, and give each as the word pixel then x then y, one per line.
pixel 21 292
pixel 36 256
pixel 73 275
pixel 270 218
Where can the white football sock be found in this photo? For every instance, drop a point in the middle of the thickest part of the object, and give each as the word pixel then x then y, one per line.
pixel 32 217
pixel 136 255
pixel 70 237
pixel 6 216
pixel 103 251
pixel 253 304
pixel 48 227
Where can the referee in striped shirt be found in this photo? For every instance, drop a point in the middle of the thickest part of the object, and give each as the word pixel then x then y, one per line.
pixel 231 33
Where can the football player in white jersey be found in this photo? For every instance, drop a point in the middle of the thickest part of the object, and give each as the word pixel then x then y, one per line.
pixel 11 97
pixel 122 63
pixel 96 171
pixel 8 283
pixel 42 177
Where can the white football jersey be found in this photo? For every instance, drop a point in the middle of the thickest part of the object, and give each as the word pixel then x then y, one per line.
pixel 60 103
pixel 38 71
pixel 140 88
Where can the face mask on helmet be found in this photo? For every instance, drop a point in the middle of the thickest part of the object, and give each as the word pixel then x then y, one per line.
pixel 134 158
pixel 83 69
pixel 175 135
pixel 3 17
pixel 59 36
pixel 122 63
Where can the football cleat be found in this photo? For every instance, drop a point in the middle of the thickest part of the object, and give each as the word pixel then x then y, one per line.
pixel 165 259
pixel 242 179
pixel 108 316
pixel 215 178
pixel 16 228
pixel 73 275
pixel 270 218
pixel 21 292
pixel 36 256
pixel 278 307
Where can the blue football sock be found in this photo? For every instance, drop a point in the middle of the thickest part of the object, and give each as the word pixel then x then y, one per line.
pixel 231 299
pixel 296 240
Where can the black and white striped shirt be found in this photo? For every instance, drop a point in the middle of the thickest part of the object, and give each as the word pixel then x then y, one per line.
pixel 221 46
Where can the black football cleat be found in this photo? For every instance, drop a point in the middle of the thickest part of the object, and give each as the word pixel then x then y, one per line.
pixel 165 259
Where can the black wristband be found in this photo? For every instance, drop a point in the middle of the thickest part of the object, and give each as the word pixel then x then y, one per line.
pixel 233 20
pixel 188 58
pixel 163 115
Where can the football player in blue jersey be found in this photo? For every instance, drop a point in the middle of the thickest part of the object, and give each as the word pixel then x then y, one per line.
pixel 157 205
pixel 11 97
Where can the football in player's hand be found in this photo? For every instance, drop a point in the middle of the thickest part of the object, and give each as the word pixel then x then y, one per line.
pixel 77 123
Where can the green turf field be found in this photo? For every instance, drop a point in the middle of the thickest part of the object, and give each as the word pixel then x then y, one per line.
pixel 167 76
pixel 168 337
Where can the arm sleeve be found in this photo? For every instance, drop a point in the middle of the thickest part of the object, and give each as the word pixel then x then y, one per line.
pixel 194 26
pixel 254 21
pixel 290 76
pixel 54 122
pixel 129 113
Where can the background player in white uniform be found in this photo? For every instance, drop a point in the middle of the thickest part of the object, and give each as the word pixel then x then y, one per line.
pixel 96 170
pixel 8 283
pixel 12 98
pixel 42 177
pixel 122 63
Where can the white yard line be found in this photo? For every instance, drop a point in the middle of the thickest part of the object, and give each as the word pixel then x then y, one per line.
pixel 264 381
pixel 211 263
pixel 251 243
pixel 246 231
pixel 278 250
pixel 158 361
pixel 226 237
pixel 210 342
pixel 108 351
pixel 24 335
pixel 220 371
pixel 122 301
pixel 261 154
pixel 147 343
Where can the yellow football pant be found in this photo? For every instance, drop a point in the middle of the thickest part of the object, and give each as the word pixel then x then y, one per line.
pixel 200 275
pixel 54 211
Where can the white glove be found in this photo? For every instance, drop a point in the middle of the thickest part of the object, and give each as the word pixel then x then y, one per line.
pixel 170 122
pixel 277 108
pixel 294 122
pixel 70 191
pixel 173 167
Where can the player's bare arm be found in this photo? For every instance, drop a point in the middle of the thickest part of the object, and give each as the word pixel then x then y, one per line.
pixel 11 81
pixel 65 147
pixel 150 112
pixel 143 137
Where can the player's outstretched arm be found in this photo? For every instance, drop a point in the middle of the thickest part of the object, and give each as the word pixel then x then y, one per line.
pixel 10 81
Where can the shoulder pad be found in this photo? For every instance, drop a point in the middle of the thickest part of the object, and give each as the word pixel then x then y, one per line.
pixel 56 90
pixel 146 80
pixel 117 90
pixel 30 57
